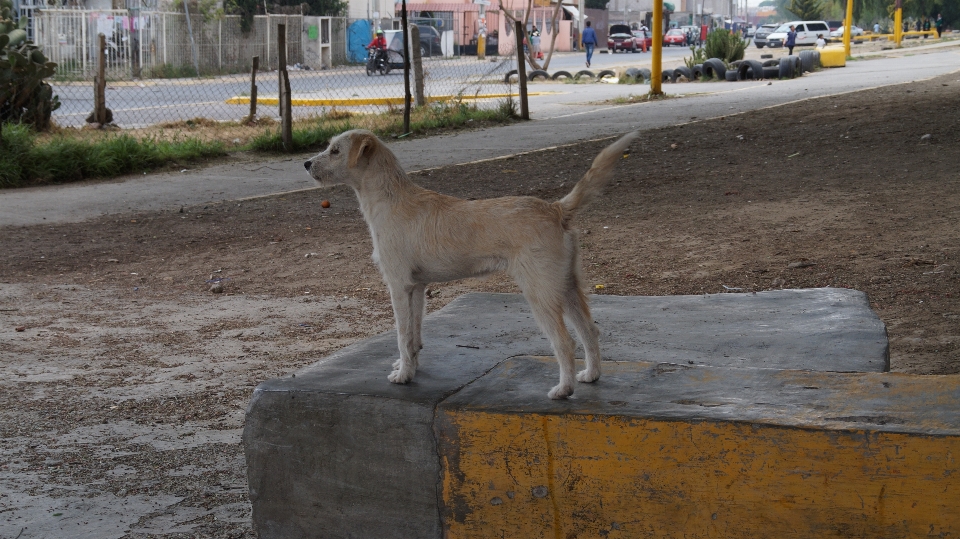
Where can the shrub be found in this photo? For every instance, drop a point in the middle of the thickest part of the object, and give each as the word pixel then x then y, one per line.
pixel 725 45
pixel 24 96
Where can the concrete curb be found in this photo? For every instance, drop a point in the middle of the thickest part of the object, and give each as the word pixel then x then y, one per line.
pixel 336 451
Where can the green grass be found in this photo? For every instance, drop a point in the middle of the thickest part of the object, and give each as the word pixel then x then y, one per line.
pixel 440 116
pixel 25 160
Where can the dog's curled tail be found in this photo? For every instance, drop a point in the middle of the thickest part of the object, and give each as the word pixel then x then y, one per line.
pixel 596 178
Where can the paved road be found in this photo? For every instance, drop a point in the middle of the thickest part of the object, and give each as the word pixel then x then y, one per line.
pixel 137 104
pixel 577 114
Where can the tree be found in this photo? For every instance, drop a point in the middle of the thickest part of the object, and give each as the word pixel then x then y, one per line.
pixel 806 10
pixel 248 8
pixel 531 57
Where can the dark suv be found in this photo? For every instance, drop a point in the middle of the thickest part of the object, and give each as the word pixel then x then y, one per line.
pixel 760 37
pixel 429 40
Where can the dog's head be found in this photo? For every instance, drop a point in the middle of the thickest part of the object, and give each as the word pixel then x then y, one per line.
pixel 345 160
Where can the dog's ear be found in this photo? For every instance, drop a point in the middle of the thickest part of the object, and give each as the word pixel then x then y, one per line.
pixel 362 146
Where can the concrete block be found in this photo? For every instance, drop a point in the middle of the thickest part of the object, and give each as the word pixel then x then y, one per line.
pixel 337 451
pixel 654 450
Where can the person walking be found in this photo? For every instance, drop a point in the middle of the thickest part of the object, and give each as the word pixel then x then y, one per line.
pixel 876 27
pixel 589 41
pixel 791 39
pixel 821 43
pixel 535 43
pixel 939 25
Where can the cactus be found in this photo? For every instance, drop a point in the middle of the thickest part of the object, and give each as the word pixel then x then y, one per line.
pixel 24 96
pixel 725 45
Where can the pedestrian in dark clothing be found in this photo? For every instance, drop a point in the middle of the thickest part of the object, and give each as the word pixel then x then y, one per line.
pixel 791 39
pixel 939 25
pixel 589 41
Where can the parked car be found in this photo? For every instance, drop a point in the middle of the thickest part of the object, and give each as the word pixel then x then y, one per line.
pixel 675 36
pixel 760 36
pixel 429 44
pixel 833 25
pixel 621 39
pixel 857 31
pixel 806 33
pixel 643 39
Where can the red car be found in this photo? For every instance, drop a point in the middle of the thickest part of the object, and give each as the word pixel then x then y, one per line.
pixel 674 37
pixel 621 39
pixel 643 39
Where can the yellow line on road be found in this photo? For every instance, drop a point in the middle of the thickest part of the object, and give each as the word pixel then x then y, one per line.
pixel 307 102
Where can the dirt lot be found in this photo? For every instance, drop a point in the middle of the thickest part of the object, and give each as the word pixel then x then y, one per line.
pixel 125 379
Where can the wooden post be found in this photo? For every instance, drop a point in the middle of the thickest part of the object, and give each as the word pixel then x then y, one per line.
pixel 286 122
pixel 100 82
pixel 419 96
pixel 522 72
pixel 253 90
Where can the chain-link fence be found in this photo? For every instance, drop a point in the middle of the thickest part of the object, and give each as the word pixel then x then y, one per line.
pixel 166 68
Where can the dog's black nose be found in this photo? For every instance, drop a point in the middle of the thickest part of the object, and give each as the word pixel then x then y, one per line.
pixel 307 164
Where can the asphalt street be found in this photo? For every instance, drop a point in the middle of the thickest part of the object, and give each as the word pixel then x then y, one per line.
pixel 576 113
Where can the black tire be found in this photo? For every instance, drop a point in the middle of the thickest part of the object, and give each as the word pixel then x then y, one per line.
pixel 506 78
pixel 682 71
pixel 697 72
pixel 807 59
pixel 765 56
pixel 731 75
pixel 715 69
pixel 750 70
pixel 771 63
pixel 759 45
pixel 538 73
pixel 816 60
pixel 667 76
pixel 785 69
pixel 632 73
pixel 736 64
pixel 583 73
pixel 797 66
pixel 645 73
pixel 606 73
pixel 561 74
pixel 772 72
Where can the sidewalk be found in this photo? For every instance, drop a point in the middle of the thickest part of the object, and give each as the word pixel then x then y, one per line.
pixel 576 113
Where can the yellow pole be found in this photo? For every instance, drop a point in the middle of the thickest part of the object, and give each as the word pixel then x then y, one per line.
pixel 657 65
pixel 847 25
pixel 898 25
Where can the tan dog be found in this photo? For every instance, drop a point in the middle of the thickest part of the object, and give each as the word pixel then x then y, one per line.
pixel 422 237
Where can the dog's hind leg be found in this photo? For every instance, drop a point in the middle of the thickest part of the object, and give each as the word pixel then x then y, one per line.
pixel 408 313
pixel 547 307
pixel 578 313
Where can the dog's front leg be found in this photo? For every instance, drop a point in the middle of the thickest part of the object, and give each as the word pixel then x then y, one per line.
pixel 408 312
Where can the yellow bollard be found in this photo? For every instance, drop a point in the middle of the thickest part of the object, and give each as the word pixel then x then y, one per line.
pixel 657 65
pixel 848 24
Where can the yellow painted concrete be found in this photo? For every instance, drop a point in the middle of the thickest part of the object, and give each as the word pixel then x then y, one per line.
pixel 244 100
pixel 584 476
pixel 833 57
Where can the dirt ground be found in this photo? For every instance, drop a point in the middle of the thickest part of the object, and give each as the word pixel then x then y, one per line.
pixel 125 378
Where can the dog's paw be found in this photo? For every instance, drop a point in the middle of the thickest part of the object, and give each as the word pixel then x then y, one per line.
pixel 397 364
pixel 401 376
pixel 560 392
pixel 587 376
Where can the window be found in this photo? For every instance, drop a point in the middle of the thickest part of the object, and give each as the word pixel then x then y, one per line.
pixel 817 27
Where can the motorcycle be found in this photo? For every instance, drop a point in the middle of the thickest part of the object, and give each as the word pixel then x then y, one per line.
pixel 377 61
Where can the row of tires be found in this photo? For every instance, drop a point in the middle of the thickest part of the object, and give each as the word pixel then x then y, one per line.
pixel 541 74
pixel 787 67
